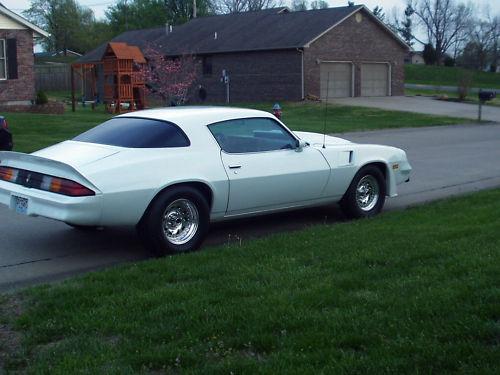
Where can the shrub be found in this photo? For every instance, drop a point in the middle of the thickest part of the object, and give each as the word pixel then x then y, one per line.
pixel 41 98
pixel 464 84
pixel 449 61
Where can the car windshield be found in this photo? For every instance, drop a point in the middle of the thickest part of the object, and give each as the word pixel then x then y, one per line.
pixel 136 132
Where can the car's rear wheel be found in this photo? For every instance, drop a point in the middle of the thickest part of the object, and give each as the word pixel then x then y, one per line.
pixel 366 194
pixel 176 221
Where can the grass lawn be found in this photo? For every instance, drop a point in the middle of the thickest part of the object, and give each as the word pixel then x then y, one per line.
pixel 35 131
pixel 448 76
pixel 413 291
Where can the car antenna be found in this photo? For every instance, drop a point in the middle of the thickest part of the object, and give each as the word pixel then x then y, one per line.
pixel 326 109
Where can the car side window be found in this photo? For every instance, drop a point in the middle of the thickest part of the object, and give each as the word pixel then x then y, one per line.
pixel 251 135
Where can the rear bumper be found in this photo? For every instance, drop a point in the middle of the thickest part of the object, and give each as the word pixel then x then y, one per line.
pixel 74 210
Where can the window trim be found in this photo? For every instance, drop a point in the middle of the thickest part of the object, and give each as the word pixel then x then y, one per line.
pixel 4 58
pixel 254 152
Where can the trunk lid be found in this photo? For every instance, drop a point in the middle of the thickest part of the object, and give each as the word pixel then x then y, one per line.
pixel 77 154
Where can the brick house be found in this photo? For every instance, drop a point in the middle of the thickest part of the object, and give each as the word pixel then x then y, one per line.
pixel 276 54
pixel 17 77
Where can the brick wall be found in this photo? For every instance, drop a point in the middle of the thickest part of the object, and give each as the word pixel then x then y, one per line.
pixel 364 41
pixel 254 76
pixel 21 89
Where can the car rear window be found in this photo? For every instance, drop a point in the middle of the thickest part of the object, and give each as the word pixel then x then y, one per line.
pixel 136 132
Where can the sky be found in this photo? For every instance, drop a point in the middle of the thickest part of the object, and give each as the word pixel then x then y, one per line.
pixel 99 6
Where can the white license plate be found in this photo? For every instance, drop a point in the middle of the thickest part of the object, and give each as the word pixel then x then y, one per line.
pixel 20 205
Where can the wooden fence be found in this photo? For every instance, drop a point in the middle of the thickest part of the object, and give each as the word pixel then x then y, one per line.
pixel 56 77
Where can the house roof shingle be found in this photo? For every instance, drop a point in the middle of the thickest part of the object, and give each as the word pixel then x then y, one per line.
pixel 269 29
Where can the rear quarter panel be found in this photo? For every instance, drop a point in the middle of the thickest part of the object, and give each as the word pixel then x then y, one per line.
pixel 131 179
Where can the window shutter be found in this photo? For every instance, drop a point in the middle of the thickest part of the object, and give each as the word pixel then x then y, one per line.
pixel 11 59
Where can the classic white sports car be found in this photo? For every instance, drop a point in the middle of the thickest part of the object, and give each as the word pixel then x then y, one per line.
pixel 170 172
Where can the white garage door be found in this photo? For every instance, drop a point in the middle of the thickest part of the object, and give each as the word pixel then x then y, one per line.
pixel 374 79
pixel 337 79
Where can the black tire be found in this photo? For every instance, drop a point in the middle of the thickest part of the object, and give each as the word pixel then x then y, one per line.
pixel 355 209
pixel 190 202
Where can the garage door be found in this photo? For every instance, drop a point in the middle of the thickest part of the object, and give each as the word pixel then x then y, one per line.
pixel 374 79
pixel 337 79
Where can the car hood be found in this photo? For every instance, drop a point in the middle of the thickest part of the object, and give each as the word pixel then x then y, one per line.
pixel 77 154
pixel 316 139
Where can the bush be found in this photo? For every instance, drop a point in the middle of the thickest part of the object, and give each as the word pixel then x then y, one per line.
pixel 429 54
pixel 449 61
pixel 41 98
pixel 464 83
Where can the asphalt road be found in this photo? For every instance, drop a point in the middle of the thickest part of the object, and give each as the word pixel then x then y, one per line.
pixel 425 105
pixel 446 160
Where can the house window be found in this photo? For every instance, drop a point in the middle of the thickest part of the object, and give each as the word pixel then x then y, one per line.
pixel 3 60
pixel 207 65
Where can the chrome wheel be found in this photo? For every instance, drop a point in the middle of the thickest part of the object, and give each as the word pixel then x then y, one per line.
pixel 180 221
pixel 367 193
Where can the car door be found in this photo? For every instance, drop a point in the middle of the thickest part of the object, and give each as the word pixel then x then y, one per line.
pixel 265 167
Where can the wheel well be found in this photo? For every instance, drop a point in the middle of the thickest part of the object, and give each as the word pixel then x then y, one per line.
pixel 382 167
pixel 200 186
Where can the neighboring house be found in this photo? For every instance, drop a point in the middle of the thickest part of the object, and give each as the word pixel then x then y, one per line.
pixel 415 57
pixel 17 81
pixel 276 54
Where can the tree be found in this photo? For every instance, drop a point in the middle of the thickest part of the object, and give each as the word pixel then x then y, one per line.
pixel 405 27
pixel 298 5
pixel 379 13
pixel 141 14
pixel 65 20
pixel 495 48
pixel 444 21
pixel 429 54
pixel 482 38
pixel 168 78
pixel 319 4
pixel 236 6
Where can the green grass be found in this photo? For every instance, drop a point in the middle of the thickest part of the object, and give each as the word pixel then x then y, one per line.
pixel 448 76
pixel 35 131
pixel 471 98
pixel 415 291
pixel 32 132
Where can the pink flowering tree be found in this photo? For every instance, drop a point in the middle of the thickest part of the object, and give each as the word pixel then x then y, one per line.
pixel 169 78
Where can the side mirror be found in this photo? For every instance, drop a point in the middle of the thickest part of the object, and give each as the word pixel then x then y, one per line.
pixel 301 144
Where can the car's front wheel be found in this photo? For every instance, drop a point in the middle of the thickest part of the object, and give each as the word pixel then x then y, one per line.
pixel 176 221
pixel 365 196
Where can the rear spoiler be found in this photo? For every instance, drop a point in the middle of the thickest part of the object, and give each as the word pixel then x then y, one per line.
pixel 44 166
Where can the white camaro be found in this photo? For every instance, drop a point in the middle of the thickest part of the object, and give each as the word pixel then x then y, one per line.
pixel 172 171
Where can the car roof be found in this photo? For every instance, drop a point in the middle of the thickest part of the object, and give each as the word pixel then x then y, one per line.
pixel 192 118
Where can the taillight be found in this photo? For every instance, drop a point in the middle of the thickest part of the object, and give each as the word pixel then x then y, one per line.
pixel 65 187
pixel 4 124
pixel 44 182
pixel 8 174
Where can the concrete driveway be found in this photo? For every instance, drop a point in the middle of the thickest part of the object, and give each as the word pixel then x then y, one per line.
pixel 425 105
pixel 446 161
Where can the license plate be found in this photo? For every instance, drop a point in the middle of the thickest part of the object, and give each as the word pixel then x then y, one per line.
pixel 21 205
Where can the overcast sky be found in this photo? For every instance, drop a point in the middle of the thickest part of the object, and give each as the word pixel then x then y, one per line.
pixel 99 6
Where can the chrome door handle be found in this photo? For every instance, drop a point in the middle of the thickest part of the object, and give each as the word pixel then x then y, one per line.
pixel 234 166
